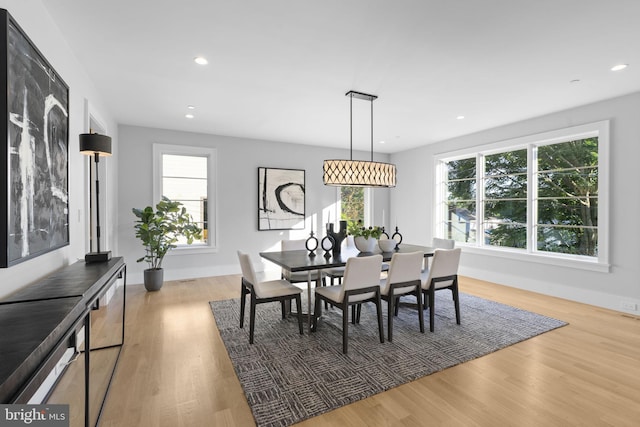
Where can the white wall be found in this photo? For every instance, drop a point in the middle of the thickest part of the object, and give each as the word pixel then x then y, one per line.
pixel 36 22
pixel 608 290
pixel 238 161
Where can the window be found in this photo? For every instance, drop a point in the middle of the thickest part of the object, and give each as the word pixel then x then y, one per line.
pixel 505 199
pixel 351 204
pixel 354 205
pixel 186 175
pixel 540 195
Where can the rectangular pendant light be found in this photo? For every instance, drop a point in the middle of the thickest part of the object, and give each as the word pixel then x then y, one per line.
pixel 359 173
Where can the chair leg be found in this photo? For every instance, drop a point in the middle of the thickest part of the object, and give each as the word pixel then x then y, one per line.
pixel 317 312
pixel 353 314
pixel 324 283
pixel 420 311
pixel 252 317
pixel 345 325
pixel 379 310
pixel 456 300
pixel 299 309
pixel 431 307
pixel 358 313
pixel 243 301
pixel 392 308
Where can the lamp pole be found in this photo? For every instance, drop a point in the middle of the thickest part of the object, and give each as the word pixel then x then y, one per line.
pixel 97 160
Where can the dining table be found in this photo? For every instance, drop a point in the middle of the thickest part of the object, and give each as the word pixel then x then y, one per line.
pixel 302 260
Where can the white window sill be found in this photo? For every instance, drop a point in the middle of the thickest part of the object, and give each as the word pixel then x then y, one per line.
pixel 548 259
pixel 192 250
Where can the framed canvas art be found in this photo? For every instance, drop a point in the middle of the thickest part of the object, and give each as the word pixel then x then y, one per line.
pixel 281 199
pixel 34 200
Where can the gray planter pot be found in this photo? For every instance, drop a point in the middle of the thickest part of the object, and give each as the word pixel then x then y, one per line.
pixel 153 279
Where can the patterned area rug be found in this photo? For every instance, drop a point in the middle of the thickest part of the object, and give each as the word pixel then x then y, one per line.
pixel 288 377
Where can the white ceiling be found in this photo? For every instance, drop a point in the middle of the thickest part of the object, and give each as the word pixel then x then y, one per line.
pixel 279 69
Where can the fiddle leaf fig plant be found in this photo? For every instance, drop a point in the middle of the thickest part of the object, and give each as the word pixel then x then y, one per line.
pixel 160 229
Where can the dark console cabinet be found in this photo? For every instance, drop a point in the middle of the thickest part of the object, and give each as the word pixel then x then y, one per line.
pixel 41 322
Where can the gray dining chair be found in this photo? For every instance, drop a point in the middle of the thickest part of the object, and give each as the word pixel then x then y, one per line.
pixel 337 273
pixel 361 283
pixel 263 292
pixel 439 243
pixel 443 274
pixel 403 278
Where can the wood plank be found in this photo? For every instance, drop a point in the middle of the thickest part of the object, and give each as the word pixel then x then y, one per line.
pixel 175 371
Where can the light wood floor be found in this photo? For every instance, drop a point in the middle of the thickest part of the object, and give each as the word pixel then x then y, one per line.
pixel 174 370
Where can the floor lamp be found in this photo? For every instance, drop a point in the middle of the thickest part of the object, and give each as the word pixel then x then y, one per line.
pixel 96 145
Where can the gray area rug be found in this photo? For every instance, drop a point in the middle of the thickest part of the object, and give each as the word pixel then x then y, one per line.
pixel 288 377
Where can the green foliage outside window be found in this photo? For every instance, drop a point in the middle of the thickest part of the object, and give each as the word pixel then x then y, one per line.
pixel 566 207
pixel 352 205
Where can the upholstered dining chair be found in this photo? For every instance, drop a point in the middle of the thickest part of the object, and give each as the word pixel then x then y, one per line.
pixel 443 274
pixel 338 272
pixel 361 283
pixel 403 278
pixel 263 292
pixel 439 243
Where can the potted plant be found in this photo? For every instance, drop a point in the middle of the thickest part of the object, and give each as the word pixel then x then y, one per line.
pixel 159 231
pixel 365 238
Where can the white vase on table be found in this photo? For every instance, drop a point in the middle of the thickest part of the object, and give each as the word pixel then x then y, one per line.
pixel 365 244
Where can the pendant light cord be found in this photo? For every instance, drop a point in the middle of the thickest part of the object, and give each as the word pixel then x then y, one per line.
pixel 351 126
pixel 372 129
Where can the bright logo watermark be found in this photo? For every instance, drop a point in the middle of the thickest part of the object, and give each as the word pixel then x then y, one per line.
pixel 34 415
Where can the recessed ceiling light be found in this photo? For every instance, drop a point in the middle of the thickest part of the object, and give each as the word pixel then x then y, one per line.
pixel 460 117
pixel 189 116
pixel 619 67
pixel 200 60
pixel 381 142
pixel 191 107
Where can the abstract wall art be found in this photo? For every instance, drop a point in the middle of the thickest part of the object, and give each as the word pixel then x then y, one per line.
pixel 281 201
pixel 34 128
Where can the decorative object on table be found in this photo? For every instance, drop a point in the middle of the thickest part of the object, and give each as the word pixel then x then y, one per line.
pixel 384 234
pixel 327 244
pixel 397 237
pixel 281 199
pixel 337 237
pixel 96 145
pixel 34 190
pixel 339 172
pixel 365 238
pixel 160 230
pixel 386 244
pixel 311 244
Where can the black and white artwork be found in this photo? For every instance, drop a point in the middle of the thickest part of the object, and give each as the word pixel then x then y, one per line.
pixel 34 152
pixel 281 201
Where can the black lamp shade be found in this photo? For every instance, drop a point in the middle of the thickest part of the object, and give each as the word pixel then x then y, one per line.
pixel 94 143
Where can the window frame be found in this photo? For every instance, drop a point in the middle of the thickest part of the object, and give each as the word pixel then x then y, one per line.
pixel 531 142
pixel 212 203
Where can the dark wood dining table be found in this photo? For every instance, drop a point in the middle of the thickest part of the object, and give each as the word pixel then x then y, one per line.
pixel 299 261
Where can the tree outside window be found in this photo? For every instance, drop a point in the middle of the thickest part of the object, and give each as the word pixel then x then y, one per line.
pixel 351 205
pixel 558 189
